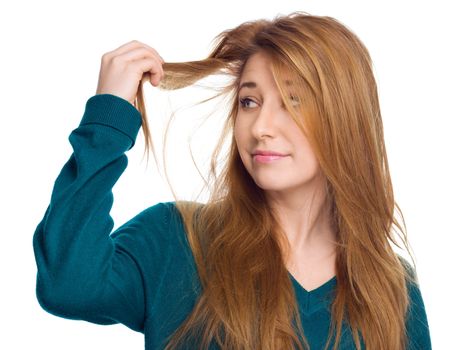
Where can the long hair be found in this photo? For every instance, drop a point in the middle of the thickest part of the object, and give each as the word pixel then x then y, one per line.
pixel 247 299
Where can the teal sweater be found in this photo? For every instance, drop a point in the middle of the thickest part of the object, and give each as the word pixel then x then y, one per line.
pixel 143 274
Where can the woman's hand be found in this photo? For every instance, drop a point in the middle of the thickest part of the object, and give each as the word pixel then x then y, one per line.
pixel 122 69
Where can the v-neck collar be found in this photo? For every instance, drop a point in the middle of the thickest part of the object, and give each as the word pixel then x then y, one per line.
pixel 313 300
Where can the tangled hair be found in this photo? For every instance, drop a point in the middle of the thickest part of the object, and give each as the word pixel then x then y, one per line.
pixel 247 300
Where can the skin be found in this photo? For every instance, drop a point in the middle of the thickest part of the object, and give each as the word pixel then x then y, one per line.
pixel 293 184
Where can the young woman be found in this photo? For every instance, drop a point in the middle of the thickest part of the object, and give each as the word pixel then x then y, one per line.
pixel 294 248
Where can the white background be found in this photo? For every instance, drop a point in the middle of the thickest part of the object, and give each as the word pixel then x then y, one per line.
pixel 50 59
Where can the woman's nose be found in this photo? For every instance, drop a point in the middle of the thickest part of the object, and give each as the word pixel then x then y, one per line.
pixel 266 122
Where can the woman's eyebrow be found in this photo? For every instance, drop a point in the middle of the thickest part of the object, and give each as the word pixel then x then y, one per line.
pixel 248 84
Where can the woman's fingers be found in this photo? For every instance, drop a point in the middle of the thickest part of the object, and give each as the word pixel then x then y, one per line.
pixel 123 68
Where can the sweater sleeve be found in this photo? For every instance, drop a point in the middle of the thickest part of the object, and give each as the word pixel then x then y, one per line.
pixel 83 271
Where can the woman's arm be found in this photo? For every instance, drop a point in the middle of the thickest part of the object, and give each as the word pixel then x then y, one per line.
pixel 83 272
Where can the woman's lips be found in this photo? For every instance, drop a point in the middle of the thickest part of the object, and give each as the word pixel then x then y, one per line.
pixel 267 158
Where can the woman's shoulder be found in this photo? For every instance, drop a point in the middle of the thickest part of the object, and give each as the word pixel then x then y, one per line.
pixel 153 218
pixel 160 220
pixel 410 270
pixel 416 322
pixel 153 235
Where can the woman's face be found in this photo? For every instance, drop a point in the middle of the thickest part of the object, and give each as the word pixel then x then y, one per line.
pixel 264 124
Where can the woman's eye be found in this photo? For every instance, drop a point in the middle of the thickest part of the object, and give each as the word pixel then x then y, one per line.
pixel 244 101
